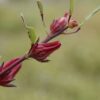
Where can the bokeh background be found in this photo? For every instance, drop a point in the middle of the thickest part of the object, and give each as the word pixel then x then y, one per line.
pixel 74 70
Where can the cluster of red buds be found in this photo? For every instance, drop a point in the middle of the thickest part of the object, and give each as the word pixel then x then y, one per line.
pixel 39 50
pixel 63 23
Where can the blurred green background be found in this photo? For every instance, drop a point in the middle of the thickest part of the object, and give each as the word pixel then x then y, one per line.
pixel 74 70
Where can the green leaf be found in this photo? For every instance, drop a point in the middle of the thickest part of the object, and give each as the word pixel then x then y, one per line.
pixel 71 6
pixel 31 33
pixel 23 20
pixel 90 15
pixel 40 6
pixel 30 30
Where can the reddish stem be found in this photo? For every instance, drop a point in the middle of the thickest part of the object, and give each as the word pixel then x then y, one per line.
pixel 52 36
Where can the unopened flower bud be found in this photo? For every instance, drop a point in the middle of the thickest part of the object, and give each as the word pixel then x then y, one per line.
pixel 7 74
pixel 59 24
pixel 40 51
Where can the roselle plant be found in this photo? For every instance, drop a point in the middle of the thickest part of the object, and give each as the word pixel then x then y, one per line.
pixel 41 50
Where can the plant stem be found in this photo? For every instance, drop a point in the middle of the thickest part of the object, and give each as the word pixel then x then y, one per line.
pixel 52 36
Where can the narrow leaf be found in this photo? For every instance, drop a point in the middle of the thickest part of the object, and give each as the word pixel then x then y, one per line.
pixel 30 30
pixel 23 20
pixel 40 6
pixel 90 15
pixel 31 33
pixel 71 6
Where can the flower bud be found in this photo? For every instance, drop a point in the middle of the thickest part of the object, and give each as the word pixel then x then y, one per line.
pixel 40 51
pixel 59 24
pixel 7 74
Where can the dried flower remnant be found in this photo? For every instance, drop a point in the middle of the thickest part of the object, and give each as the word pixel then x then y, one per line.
pixel 72 23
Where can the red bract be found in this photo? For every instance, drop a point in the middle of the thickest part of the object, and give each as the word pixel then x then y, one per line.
pixel 40 51
pixel 7 73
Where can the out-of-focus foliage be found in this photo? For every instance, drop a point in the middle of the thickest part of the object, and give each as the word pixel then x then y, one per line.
pixel 74 70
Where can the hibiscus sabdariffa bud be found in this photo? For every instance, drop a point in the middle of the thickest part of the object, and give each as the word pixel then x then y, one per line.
pixel 7 73
pixel 59 24
pixel 63 23
pixel 40 51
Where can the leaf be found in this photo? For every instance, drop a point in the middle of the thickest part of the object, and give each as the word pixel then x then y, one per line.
pixel 31 33
pixel 40 6
pixel 30 29
pixel 90 15
pixel 71 6
pixel 23 20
